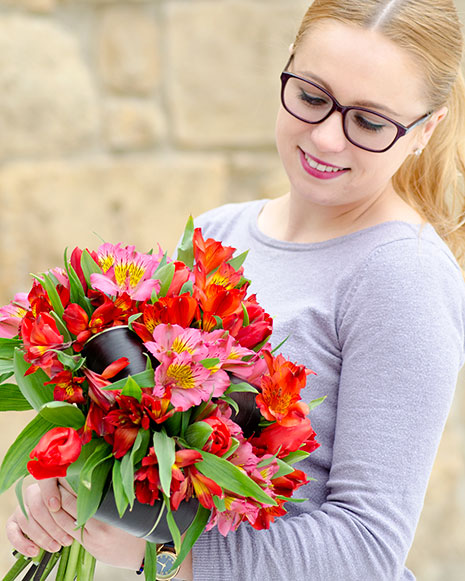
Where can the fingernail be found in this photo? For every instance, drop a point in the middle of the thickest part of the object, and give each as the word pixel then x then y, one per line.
pixel 32 551
pixel 54 504
pixel 54 547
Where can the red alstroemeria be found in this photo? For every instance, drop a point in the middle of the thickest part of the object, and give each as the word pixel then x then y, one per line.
pixel 123 424
pixel 67 387
pixel 282 440
pixel 219 440
pixel 38 299
pixel 267 515
pixel 210 254
pixel 182 274
pixel 76 319
pixel 75 261
pixel 287 485
pixel 257 331
pixel 179 310
pixel 280 391
pixel 157 408
pixel 54 453
pixel 147 480
pixel 40 336
pixel 216 301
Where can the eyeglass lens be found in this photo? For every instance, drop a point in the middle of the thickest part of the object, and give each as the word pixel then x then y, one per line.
pixel 311 104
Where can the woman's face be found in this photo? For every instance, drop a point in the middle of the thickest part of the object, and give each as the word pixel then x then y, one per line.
pixel 359 67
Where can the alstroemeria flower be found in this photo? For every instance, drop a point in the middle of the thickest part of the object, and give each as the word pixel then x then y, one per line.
pixel 210 254
pixel 179 310
pixel 11 316
pixel 55 452
pixel 147 479
pixel 282 440
pixel 40 336
pixel 219 440
pixel 280 391
pixel 67 387
pixel 122 424
pixel 217 301
pixel 235 513
pixel 126 270
pixel 259 328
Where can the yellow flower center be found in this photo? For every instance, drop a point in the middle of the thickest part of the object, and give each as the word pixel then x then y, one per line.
pixel 179 345
pixel 181 375
pixel 106 262
pixel 134 271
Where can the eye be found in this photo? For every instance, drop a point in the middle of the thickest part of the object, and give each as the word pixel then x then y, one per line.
pixel 370 123
pixel 313 100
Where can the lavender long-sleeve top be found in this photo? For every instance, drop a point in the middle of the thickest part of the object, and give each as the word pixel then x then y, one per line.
pixel 379 315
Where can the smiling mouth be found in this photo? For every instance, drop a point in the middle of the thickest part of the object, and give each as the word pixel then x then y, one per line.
pixel 322 167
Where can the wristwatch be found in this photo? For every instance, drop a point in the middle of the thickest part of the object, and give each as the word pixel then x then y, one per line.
pixel 166 556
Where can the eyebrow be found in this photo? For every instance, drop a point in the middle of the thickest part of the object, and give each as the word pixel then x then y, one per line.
pixel 363 103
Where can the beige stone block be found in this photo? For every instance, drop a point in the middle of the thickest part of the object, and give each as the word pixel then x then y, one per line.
pixel 36 6
pixel 225 59
pixel 141 200
pixel 256 175
pixel 128 50
pixel 47 102
pixel 133 125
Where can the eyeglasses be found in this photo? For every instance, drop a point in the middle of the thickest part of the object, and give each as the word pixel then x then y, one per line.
pixel 364 128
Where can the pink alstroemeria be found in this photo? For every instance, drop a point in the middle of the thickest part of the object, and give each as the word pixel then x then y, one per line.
pixel 126 271
pixel 11 316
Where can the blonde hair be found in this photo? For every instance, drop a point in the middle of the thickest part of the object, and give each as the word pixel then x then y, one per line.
pixel 432 183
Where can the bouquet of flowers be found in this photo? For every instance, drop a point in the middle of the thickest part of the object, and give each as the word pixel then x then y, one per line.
pixel 157 394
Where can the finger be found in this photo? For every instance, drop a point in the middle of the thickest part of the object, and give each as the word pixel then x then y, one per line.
pixel 39 535
pixel 50 493
pixel 66 485
pixel 20 541
pixel 40 525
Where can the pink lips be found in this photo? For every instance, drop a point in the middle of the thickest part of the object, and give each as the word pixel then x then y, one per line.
pixel 322 175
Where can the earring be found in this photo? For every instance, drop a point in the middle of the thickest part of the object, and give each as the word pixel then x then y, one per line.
pixel 418 152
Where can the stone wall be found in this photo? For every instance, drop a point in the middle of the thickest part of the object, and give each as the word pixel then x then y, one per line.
pixel 120 118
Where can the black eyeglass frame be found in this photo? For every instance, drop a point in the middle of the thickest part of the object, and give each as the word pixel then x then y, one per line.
pixel 343 110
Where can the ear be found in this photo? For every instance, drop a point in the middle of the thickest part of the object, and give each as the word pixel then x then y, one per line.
pixel 430 125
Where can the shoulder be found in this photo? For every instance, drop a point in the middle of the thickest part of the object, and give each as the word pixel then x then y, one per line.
pixel 410 285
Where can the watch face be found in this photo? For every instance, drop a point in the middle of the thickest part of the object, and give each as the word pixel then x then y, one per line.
pixel 165 560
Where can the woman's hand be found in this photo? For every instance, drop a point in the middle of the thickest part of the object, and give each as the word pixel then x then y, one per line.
pixel 52 510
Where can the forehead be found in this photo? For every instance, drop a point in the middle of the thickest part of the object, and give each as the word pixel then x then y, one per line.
pixel 360 65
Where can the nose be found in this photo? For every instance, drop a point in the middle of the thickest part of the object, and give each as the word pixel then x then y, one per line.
pixel 328 135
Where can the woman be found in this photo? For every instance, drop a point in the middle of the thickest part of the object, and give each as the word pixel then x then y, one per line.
pixel 351 265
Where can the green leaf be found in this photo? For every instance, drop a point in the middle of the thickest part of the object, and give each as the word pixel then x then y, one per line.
pixel 89 266
pixel 132 389
pixel 242 387
pixel 187 287
pixel 210 362
pixel 246 319
pixel 150 561
pixel 193 533
pixel 173 424
pixel 121 500
pixel 7 347
pixel 220 503
pixel 165 276
pixel 186 248
pixel 287 499
pixel 17 457
pixel 143 379
pixel 174 530
pixel 74 471
pixel 32 386
pixel 294 457
pixel 230 402
pixel 92 481
pixel 316 402
pixel 284 468
pixel 11 399
pixel 197 434
pixel 6 367
pixel 237 261
pixel 5 376
pixel 71 362
pixel 19 496
pixel 280 345
pixel 64 414
pixel 48 283
pixel 164 447
pixel 231 478
pixel 138 451
pixel 234 446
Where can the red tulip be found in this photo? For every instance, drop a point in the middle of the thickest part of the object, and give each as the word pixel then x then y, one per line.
pixel 55 452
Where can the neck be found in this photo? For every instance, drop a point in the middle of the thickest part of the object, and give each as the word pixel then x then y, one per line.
pixel 294 220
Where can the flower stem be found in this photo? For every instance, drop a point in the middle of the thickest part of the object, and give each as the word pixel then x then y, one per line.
pixel 21 563
pixel 63 562
pixel 87 569
pixel 73 559
pixel 42 565
pixel 51 564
